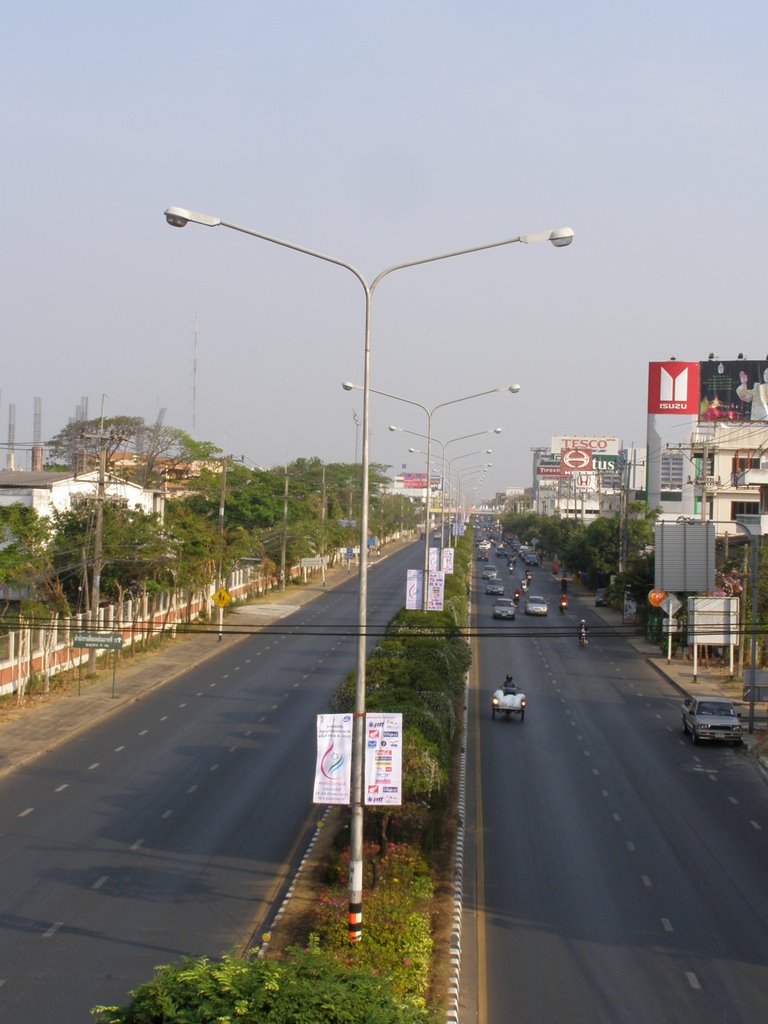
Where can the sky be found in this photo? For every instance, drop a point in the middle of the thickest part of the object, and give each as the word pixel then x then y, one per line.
pixel 377 134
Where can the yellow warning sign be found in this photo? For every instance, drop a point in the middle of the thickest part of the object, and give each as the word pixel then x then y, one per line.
pixel 222 597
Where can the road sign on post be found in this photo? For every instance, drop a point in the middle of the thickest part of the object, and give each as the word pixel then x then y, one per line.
pixel 98 641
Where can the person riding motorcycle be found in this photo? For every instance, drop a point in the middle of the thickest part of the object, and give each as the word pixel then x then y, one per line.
pixel 516 595
pixel 508 686
pixel 563 605
pixel 583 632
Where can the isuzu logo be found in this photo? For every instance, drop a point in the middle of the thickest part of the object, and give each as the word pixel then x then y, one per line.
pixel 673 388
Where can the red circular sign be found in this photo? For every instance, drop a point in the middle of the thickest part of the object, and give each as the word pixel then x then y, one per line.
pixel 656 597
pixel 575 458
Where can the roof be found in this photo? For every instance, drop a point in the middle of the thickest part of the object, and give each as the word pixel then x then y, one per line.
pixel 31 478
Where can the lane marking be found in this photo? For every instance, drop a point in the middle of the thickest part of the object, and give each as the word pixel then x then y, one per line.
pixel 666 924
pixel 53 929
pixel 646 881
pixel 755 825
pixel 137 844
pixel 192 789
pixel 143 732
pixel 26 812
pixel 62 787
pixel 99 882
pixel 92 766
pixel 630 846
pixel 167 814
pixel 693 981
pixel 118 749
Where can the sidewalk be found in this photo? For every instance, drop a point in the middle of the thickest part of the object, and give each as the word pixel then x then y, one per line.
pixel 38 726
pixel 678 672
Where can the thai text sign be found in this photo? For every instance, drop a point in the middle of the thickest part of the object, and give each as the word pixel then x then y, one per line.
pixel 383 759
pixel 333 765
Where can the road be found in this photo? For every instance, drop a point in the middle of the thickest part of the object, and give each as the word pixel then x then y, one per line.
pixel 619 871
pixel 171 827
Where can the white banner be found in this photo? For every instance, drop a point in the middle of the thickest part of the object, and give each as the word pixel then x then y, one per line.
pixel 413 593
pixel 334 759
pixel 434 559
pixel 435 591
pixel 447 565
pixel 383 759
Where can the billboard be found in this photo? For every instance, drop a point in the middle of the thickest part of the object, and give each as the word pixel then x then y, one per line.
pixel 415 480
pixel 673 388
pixel 595 445
pixel 685 556
pixel 733 391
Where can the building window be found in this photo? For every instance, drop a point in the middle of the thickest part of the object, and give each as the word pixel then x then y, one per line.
pixel 745 508
pixel 672 466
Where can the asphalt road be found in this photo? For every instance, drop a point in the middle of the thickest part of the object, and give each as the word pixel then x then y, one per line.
pixel 172 826
pixel 618 872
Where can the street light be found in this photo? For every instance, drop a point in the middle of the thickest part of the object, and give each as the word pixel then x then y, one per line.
pixel 511 388
pixel 178 217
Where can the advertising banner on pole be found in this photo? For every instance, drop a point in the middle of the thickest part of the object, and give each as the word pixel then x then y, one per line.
pixel 447 565
pixel 333 765
pixel 435 591
pixel 434 559
pixel 413 592
pixel 383 759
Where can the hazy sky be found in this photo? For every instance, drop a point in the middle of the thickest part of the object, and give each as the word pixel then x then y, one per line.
pixel 377 133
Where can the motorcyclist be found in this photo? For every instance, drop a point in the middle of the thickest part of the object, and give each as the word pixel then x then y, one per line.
pixel 509 686
pixel 563 604
pixel 516 595
pixel 583 632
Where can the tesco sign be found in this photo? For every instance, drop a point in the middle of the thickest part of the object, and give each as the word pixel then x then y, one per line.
pixel 595 445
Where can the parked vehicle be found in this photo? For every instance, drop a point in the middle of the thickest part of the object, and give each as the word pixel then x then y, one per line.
pixel 601 597
pixel 711 718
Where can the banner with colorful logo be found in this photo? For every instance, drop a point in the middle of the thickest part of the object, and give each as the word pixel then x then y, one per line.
pixel 333 766
pixel 383 759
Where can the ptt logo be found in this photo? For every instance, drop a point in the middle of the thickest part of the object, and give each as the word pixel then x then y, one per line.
pixel 673 388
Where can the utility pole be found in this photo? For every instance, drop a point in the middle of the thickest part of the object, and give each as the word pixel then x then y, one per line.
pixel 98 535
pixel 323 515
pixel 220 570
pixel 284 545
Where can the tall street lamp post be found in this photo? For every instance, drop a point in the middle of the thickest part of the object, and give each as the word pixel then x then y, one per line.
pixel 429 413
pixel 178 217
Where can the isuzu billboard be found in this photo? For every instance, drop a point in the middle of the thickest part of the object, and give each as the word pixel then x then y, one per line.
pixel 673 388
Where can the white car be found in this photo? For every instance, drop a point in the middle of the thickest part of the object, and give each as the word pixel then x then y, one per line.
pixel 535 605
pixel 508 700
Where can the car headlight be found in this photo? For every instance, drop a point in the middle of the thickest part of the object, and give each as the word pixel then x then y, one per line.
pixel 494 700
pixel 703 725
pixel 522 703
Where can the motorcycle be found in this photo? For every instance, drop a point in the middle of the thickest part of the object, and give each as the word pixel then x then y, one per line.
pixel 583 638
pixel 563 606
pixel 524 585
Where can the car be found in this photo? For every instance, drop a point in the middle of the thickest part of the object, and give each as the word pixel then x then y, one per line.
pixel 601 600
pixel 508 700
pixel 504 608
pixel 536 605
pixel 711 718
pixel 490 572
pixel 494 586
pixel 483 556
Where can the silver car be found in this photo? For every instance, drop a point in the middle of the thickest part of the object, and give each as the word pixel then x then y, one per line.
pixel 504 608
pixel 711 718
pixel 535 605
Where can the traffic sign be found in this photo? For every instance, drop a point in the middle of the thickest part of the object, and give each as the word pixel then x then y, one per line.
pixel 98 641
pixel 576 458
pixel 222 597
pixel 656 597
pixel 671 605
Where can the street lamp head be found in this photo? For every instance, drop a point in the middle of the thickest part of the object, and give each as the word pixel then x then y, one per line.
pixel 561 236
pixel 347 385
pixel 512 388
pixel 497 430
pixel 179 218
pixel 393 427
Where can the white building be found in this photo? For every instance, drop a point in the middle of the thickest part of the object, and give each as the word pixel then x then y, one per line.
pixel 44 491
